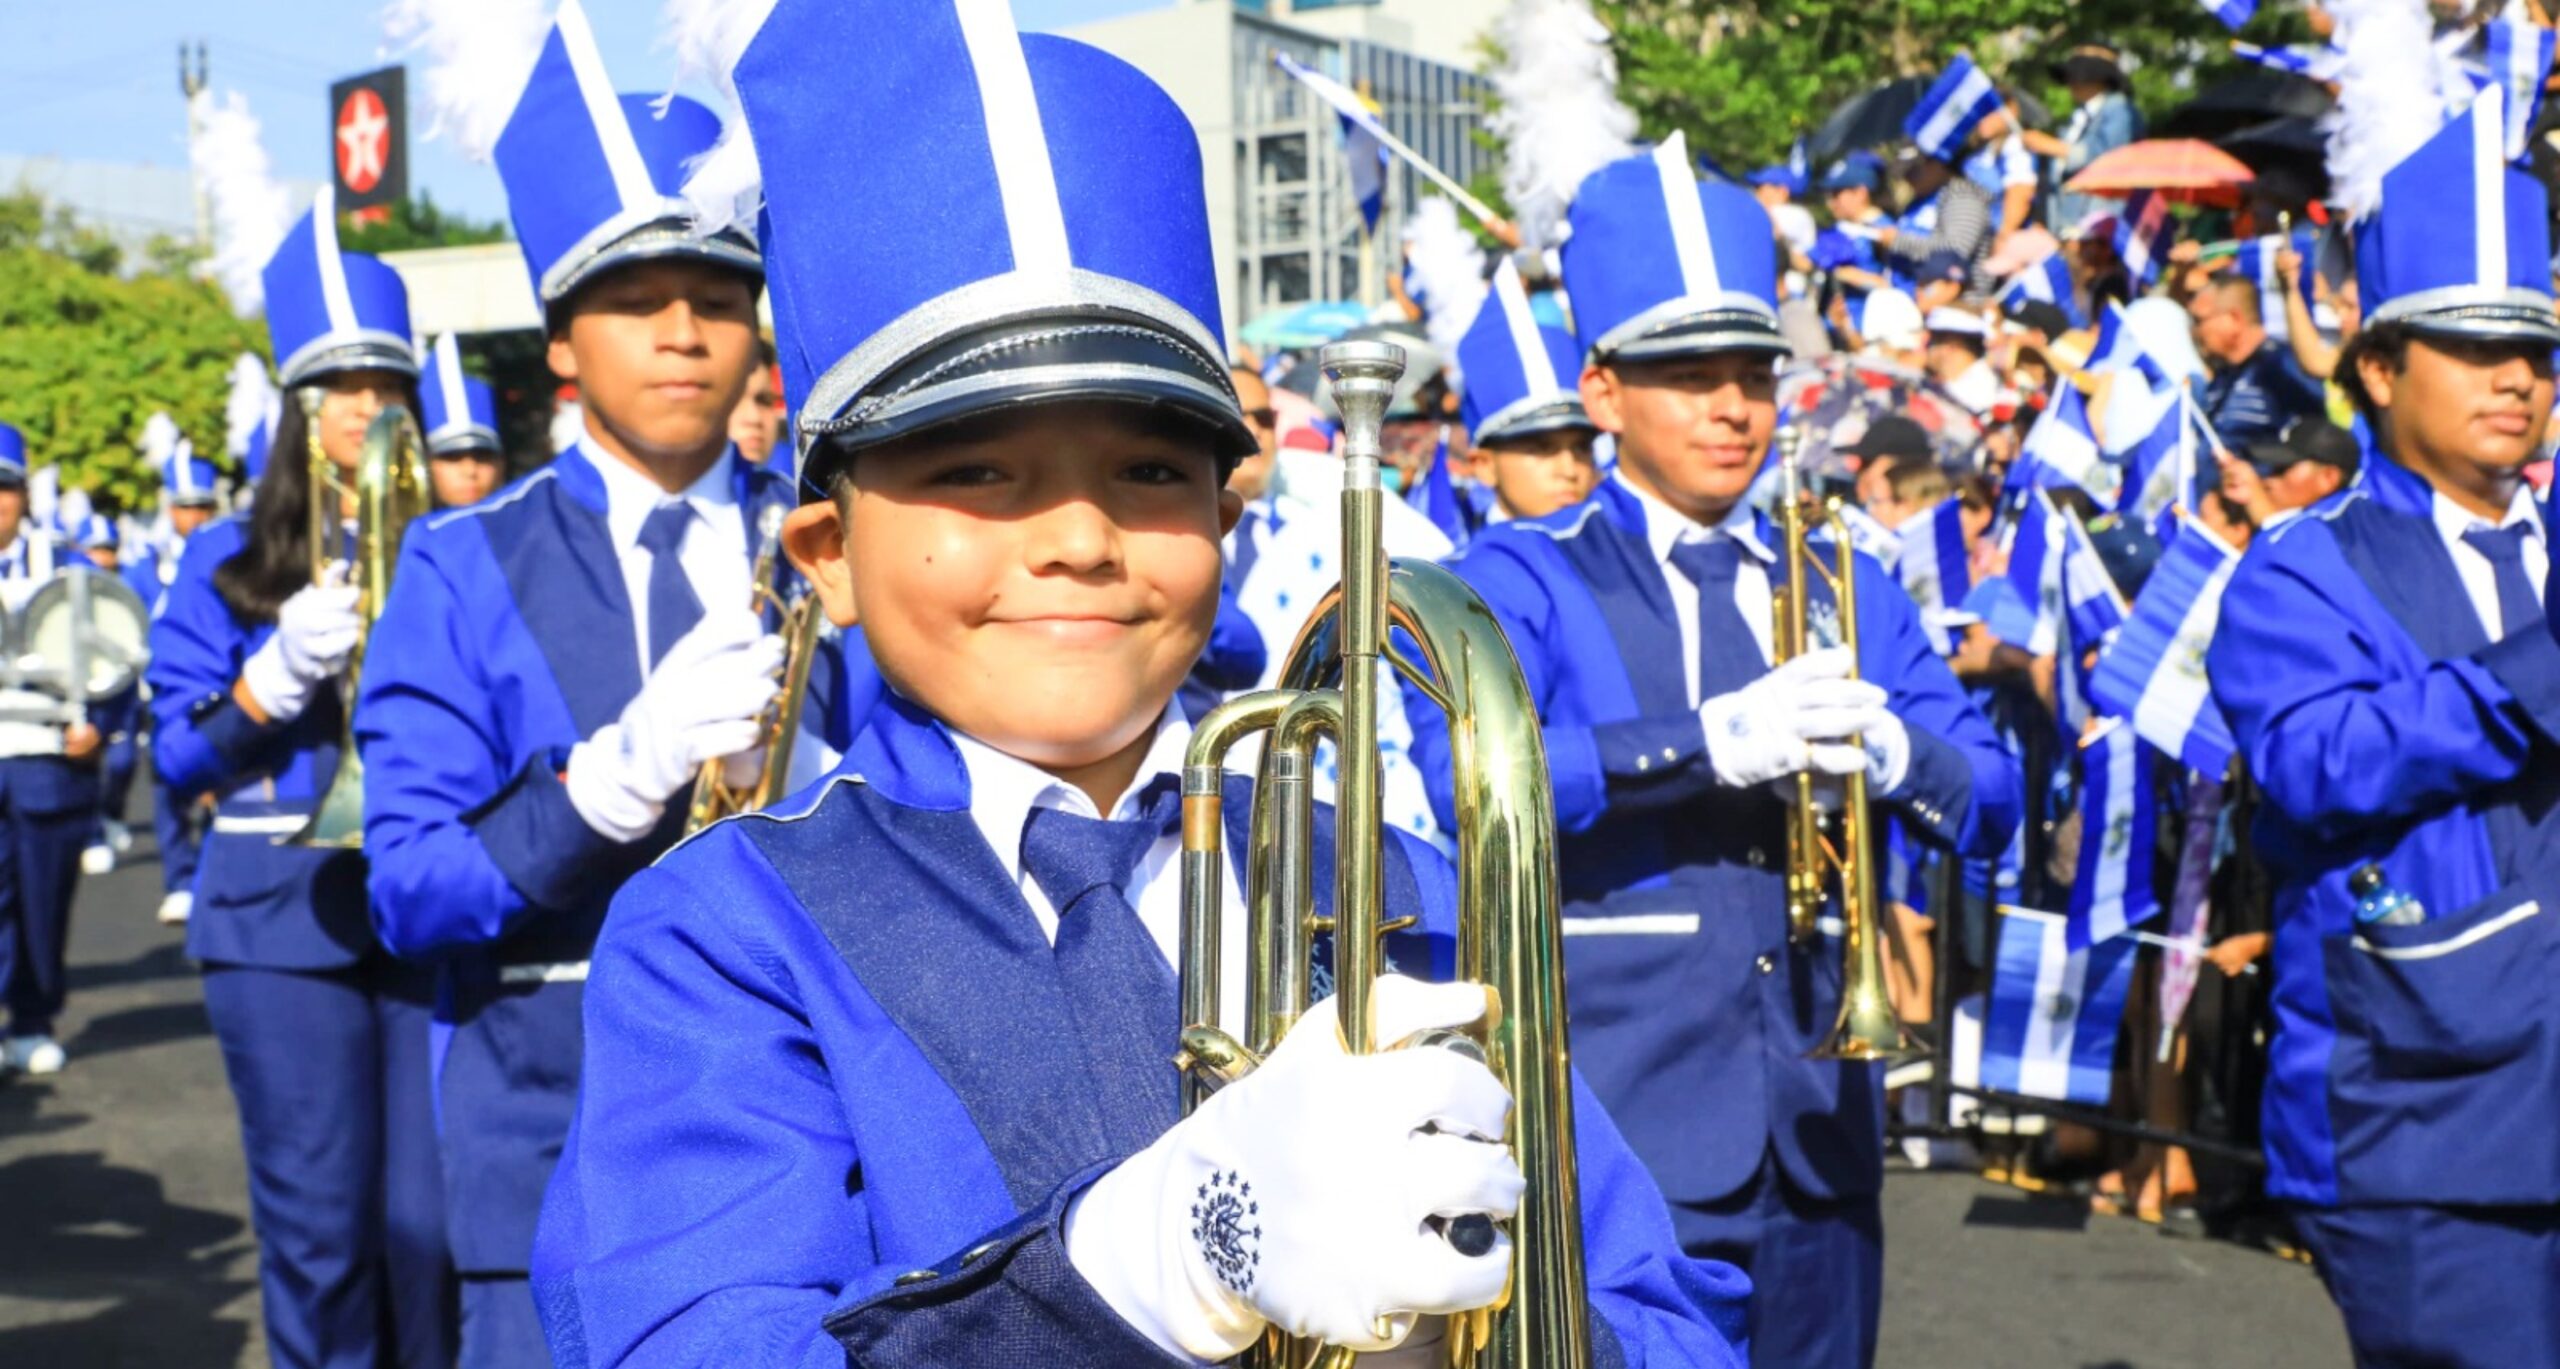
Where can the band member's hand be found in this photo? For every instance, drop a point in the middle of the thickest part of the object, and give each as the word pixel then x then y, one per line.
pixel 1311 1194
pixel 80 741
pixel 316 629
pixel 700 704
pixel 1795 718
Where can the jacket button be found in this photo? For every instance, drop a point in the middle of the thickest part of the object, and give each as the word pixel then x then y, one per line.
pixel 1670 755
pixel 916 1276
pixel 1643 763
pixel 1756 858
pixel 979 1251
pixel 1766 964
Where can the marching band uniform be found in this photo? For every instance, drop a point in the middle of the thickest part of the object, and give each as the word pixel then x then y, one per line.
pixel 1523 381
pixel 2385 668
pixel 527 641
pixel 186 481
pixel 323 1035
pixel 1692 1009
pixel 457 411
pixel 117 718
pixel 794 1145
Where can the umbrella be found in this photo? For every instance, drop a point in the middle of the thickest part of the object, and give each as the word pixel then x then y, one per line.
pixel 2289 155
pixel 1867 120
pixel 1309 325
pixel 2183 169
pixel 1837 398
pixel 2250 98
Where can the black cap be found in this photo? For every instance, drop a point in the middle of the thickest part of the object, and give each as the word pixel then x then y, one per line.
pixel 1892 436
pixel 2309 439
pixel 2044 316
pixel 2095 63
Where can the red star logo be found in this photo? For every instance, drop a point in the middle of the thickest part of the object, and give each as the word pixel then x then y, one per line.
pixel 364 140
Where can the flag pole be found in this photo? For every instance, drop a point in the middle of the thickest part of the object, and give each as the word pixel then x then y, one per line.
pixel 1326 89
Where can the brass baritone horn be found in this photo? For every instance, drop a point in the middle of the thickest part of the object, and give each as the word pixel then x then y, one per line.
pixel 1508 931
pixel 714 797
pixel 388 487
pixel 1828 853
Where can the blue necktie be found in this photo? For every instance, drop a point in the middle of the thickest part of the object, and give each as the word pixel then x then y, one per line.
pixel 673 606
pixel 2518 609
pixel 1116 980
pixel 1728 655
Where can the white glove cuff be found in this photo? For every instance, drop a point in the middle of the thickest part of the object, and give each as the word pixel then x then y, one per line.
pixel 1888 756
pixel 1129 1235
pixel 599 786
pixel 273 686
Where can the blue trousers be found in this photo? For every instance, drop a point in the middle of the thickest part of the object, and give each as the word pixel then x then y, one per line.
pixel 1816 1267
pixel 2443 1287
pixel 500 1329
pixel 39 873
pixel 330 1070
pixel 179 825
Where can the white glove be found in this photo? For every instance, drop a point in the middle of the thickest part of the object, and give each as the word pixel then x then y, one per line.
pixel 700 704
pixel 1797 717
pixel 1888 747
pixel 1250 1212
pixel 316 630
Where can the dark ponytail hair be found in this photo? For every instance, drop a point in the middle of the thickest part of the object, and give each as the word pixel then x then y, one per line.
pixel 274 560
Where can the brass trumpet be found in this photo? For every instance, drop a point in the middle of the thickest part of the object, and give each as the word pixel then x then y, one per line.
pixel 714 797
pixel 1508 934
pixel 388 488
pixel 1828 853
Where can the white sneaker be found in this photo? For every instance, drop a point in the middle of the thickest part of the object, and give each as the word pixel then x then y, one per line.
pixel 119 837
pixel 98 859
pixel 33 1055
pixel 177 908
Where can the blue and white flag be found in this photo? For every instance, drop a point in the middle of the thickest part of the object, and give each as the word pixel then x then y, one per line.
pixel 2143 235
pixel 2154 674
pixel 1962 97
pixel 1364 139
pixel 2519 59
pixel 2035 569
pixel 2322 63
pixel 2119 348
pixel 2061 449
pixel 2092 611
pixel 2048 281
pixel 2164 464
pixel 1872 537
pixel 1934 569
pixel 2255 261
pixel 2111 887
pixel 2050 1029
pixel 2234 14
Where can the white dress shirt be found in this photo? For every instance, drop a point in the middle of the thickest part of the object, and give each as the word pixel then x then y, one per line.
pixel 713 552
pixel 1666 528
pixel 2479 577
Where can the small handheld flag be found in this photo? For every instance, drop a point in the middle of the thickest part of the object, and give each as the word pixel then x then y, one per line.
pixel 1934 569
pixel 1358 114
pixel 2111 889
pixel 2154 675
pixel 2143 233
pixel 2050 1031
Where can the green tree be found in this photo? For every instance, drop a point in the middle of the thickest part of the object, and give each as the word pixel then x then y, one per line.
pixel 87 354
pixel 416 223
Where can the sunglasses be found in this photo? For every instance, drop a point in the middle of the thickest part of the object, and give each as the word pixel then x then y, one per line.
pixel 1263 417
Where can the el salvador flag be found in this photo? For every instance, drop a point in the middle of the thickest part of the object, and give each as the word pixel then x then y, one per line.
pixel 2154 674
pixel 2092 611
pixel 2298 60
pixel 1934 569
pixel 2255 259
pixel 2142 236
pixel 2048 280
pixel 2050 1030
pixel 2035 569
pixel 2234 14
pixel 2061 449
pixel 1363 138
pixel 2519 58
pixel 1872 537
pixel 2111 891
pixel 2162 465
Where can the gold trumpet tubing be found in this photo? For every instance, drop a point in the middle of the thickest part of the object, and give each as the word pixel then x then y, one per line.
pixel 1209 1056
pixel 782 727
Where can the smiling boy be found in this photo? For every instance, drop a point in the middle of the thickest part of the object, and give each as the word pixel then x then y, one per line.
pixel 883 1076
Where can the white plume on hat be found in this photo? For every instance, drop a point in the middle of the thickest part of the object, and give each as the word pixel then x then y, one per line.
pixel 250 211
pixel 160 437
pixel 724 185
pixel 1560 118
pixel 479 54
pixel 1444 265
pixel 253 397
pixel 2388 101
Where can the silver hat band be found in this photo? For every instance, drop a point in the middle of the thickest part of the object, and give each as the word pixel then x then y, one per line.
pixel 1535 414
pixel 365 349
pixel 461 437
pixel 646 237
pixel 1692 324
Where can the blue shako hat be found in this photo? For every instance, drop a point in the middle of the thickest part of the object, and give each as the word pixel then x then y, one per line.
pixel 1024 221
pixel 187 479
pixel 329 310
pixel 1661 264
pixel 13 456
pixel 2461 243
pixel 593 178
pixel 460 411
pixel 1522 378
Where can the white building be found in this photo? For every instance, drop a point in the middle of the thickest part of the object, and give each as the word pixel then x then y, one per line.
pixel 1286 227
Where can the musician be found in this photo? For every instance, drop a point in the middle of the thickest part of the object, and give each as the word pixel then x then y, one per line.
pixel 756 424
pixel 2383 660
pixel 1530 441
pixel 459 418
pixel 882 1077
pixel 190 494
pixel 556 663
pixel 1642 618
pixel 97 539
pixel 323 1035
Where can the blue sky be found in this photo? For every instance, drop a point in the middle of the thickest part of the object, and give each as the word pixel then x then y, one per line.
pixel 97 80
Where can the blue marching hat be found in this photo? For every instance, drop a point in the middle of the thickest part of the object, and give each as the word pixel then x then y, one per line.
pixel 1944 120
pixel 2461 243
pixel 1028 223
pixel 187 479
pixel 95 531
pixel 1661 264
pixel 13 456
pixel 1858 168
pixel 595 179
pixel 461 411
pixel 1521 378
pixel 329 310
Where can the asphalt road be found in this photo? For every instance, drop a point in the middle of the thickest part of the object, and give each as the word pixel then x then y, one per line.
pixel 124 1235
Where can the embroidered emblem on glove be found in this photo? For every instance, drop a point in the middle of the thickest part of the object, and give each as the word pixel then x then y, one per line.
pixel 1225 1220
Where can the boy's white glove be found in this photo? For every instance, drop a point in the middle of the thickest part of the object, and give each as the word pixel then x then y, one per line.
pixel 1797 717
pixel 316 630
pixel 700 704
pixel 1247 1212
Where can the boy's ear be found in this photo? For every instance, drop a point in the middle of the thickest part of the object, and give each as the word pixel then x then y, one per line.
pixel 813 536
pixel 1600 398
pixel 563 358
pixel 1230 511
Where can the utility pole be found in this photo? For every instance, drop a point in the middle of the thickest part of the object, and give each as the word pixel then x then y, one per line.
pixel 191 84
